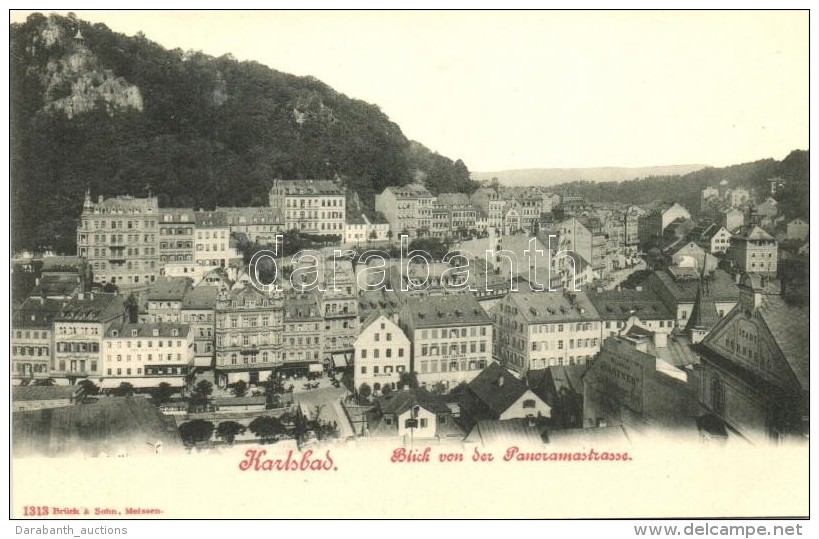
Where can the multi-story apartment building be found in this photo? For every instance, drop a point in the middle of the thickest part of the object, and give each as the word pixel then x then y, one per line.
pixel 753 251
pixel 339 306
pixel 213 242
pixel 311 206
pixel 32 344
pixel 198 311
pixel 303 333
pixel 531 205
pixel 259 224
pixel 461 213
pixel 451 338
pixel 407 208
pixel 248 330
pixel 652 225
pixel 119 238
pixel 584 236
pixel 713 238
pixel 535 330
pixel 79 328
pixel 361 229
pixel 440 226
pixel 164 299
pixel 176 236
pixel 492 205
pixel 382 353
pixel 616 308
pixel 145 355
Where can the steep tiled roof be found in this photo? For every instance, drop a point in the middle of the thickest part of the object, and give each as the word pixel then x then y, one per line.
pixel 147 330
pixel 790 327
pixel 451 310
pixel 497 388
pixel 547 307
pixel 620 305
pixel 704 315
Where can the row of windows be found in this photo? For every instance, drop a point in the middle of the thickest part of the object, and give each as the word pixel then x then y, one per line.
pixel 264 357
pixel 75 365
pixel 150 344
pixel 78 330
pixel 30 350
pixel 163 231
pixel 102 223
pixel 158 370
pixel 447 365
pixel 435 350
pixel 217 234
pixel 177 245
pixel 78 347
pixel 206 247
pixel 376 353
pixel 579 343
pixel 28 334
pixel 559 328
pixel 387 369
pixel 150 357
pixel 473 331
pixel 333 202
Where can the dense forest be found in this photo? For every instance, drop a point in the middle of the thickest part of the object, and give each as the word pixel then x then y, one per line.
pixel 794 200
pixel 122 115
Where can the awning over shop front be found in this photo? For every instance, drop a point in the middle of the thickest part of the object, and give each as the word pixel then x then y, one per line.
pixel 342 359
pixel 141 383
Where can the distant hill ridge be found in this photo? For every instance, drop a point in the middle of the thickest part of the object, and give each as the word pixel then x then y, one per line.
pixel 548 177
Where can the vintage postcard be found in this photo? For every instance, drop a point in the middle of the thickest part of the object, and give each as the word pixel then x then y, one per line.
pixel 385 264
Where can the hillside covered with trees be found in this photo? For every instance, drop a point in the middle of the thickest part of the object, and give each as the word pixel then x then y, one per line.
pixel 793 199
pixel 122 115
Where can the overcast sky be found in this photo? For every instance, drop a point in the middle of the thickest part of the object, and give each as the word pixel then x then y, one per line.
pixel 506 90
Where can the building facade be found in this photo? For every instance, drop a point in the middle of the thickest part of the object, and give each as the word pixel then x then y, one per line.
pixel 248 331
pixel 382 353
pixel 311 206
pixel 451 338
pixel 119 237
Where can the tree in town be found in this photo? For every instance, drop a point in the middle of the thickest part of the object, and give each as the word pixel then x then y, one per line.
pixel 89 387
pixel 438 388
pixel 44 382
pixel 390 234
pixel 125 389
pixel 228 430
pixel 267 428
pixel 365 391
pixel 386 390
pixel 373 235
pixel 162 393
pixel 408 379
pixel 195 431
pixel 132 309
pixel 240 388
pixel 200 396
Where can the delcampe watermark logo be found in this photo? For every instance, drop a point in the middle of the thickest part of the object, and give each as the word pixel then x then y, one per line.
pixel 463 270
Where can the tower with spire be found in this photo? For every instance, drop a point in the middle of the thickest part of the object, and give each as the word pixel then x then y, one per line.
pixel 704 316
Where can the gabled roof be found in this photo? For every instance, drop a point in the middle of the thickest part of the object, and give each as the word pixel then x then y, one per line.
pixel 497 388
pixel 684 289
pixel 92 307
pixel 548 307
pixel 168 288
pixel 753 232
pixel 400 401
pixel 789 326
pixel 451 310
pixel 201 297
pixel 620 305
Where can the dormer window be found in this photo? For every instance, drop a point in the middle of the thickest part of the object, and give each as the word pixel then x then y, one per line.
pixel 114 333
pixel 155 333
pixel 133 333
pixel 174 333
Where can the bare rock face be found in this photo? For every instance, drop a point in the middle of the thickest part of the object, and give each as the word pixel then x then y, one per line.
pixel 75 82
